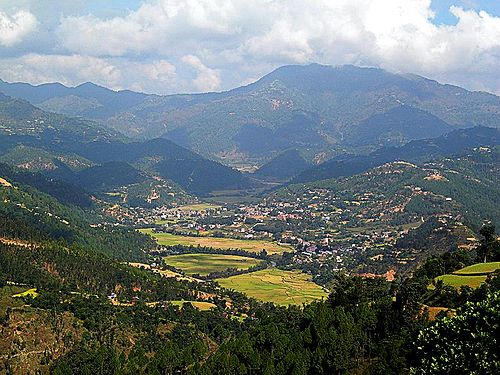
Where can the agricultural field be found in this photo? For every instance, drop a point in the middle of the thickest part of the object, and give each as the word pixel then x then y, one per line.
pixel 198 207
pixel 200 305
pixel 27 293
pixel 256 246
pixel 204 264
pixel 460 280
pixel 479 268
pixel 275 285
pixel 472 276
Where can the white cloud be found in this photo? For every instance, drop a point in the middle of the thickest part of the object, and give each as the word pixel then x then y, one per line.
pixel 156 76
pixel 207 79
pixel 14 28
pixel 228 41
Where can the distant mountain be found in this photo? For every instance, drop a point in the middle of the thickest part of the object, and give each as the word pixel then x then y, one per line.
pixel 316 109
pixel 78 151
pixel 450 144
pixel 284 166
pixel 87 100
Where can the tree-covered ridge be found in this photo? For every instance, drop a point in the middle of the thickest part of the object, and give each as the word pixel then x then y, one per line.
pixel 20 118
pixel 399 191
pixel 29 214
pixel 418 151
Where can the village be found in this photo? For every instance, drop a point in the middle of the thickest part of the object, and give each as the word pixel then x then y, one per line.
pixel 342 231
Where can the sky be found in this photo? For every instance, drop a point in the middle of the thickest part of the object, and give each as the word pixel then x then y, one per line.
pixel 173 46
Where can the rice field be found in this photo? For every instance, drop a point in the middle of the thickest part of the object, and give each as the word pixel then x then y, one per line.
pixel 472 276
pixel 204 264
pixel 275 285
pixel 461 280
pixel 479 268
pixel 256 246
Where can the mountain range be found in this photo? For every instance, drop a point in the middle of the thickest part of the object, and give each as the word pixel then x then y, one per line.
pixel 320 110
pixel 77 150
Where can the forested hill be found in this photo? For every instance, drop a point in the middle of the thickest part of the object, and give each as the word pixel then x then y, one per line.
pixel 62 146
pixel 463 186
pixel 314 107
pixel 37 217
pixel 451 144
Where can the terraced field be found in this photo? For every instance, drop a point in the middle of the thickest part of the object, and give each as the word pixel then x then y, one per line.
pixel 457 280
pixel 278 286
pixel 472 276
pixel 204 264
pixel 479 268
pixel 255 246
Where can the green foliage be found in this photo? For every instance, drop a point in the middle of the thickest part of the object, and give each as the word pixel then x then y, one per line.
pixel 466 343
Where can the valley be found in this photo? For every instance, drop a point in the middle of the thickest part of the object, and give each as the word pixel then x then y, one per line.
pixel 339 240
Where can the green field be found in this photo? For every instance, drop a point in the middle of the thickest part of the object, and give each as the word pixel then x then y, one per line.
pixel 256 246
pixel 457 280
pixel 274 285
pixel 203 264
pixel 472 276
pixel 479 268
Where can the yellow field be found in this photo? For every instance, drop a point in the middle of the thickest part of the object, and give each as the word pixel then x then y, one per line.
pixel 278 286
pixel 198 207
pixel 204 264
pixel 255 246
pixel 30 292
pixel 200 305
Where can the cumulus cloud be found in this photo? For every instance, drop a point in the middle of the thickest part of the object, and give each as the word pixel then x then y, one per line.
pixel 155 76
pixel 226 42
pixel 207 79
pixel 14 28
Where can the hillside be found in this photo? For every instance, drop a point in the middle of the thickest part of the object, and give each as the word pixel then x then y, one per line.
pixel 284 166
pixel 28 214
pixel 453 143
pixel 77 151
pixel 313 108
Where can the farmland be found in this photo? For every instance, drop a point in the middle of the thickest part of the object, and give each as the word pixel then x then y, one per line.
pixel 274 285
pixel 198 207
pixel 472 276
pixel 203 264
pixel 168 239
pixel 460 280
pixel 479 268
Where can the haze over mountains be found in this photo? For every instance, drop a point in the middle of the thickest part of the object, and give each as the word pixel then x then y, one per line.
pixel 321 110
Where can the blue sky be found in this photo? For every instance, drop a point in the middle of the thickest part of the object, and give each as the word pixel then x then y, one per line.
pixel 443 15
pixel 170 46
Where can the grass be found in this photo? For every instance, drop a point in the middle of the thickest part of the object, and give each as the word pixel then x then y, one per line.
pixel 203 264
pixel 256 246
pixel 479 268
pixel 460 280
pixel 274 285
